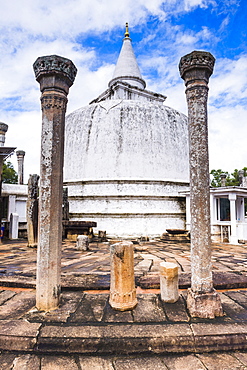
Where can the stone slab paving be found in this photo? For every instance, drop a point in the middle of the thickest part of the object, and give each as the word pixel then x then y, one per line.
pixel 91 269
pixel 220 361
pixel 85 333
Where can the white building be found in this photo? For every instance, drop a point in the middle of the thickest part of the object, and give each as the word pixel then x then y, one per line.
pixel 227 208
pixel 126 157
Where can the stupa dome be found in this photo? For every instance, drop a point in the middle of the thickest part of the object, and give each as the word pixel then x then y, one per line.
pixel 126 157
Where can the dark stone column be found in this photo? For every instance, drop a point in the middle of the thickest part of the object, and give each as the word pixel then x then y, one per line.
pixel 195 69
pixel 20 159
pixel 32 210
pixel 55 75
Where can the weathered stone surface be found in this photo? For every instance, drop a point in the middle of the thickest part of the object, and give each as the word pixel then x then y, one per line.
pixel 241 356
pixel 26 362
pixel 6 295
pixel 176 312
pixel 149 309
pixel 221 361
pixel 58 363
pixel 212 336
pixel 6 360
pixel 117 338
pixel 96 363
pixel 111 315
pixel 140 363
pixel 122 288
pixel 90 309
pixel 17 306
pixel 18 335
pixel 232 309
pixel 188 362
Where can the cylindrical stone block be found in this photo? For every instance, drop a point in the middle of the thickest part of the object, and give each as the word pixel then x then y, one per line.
pixel 169 282
pixel 82 243
pixel 55 75
pixel 122 289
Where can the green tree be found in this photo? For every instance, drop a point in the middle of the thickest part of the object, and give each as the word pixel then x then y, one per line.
pixel 9 174
pixel 231 179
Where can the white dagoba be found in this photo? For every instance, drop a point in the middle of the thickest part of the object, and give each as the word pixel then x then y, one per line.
pixel 126 157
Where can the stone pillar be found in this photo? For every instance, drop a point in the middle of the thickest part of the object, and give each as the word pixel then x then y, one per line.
pixel 32 211
pixel 169 282
pixel 20 159
pixel 233 237
pixel 223 179
pixel 122 287
pixel 3 130
pixel 55 75
pixel 195 69
pixel 13 226
pixel 82 243
pixel 65 205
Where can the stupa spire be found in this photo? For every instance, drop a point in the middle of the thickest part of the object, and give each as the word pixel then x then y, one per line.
pixel 127 69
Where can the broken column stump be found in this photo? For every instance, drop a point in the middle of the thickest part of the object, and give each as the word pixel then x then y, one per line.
pixel 169 282
pixel 82 243
pixel 55 75
pixel 122 286
pixel 195 69
pixel 32 210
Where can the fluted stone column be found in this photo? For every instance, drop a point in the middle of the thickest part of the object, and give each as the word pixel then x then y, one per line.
pixel 55 75
pixel 20 160
pixel 195 69
pixel 122 287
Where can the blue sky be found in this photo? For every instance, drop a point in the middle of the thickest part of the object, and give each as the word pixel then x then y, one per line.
pixel 90 33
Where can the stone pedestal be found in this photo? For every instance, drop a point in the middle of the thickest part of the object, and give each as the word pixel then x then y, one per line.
pixel 20 160
pixel 195 69
pixel 55 75
pixel 13 226
pixel 32 211
pixel 82 243
pixel 169 282
pixel 204 305
pixel 122 289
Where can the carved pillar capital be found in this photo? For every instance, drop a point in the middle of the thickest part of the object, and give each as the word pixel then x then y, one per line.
pixel 54 73
pixel 196 68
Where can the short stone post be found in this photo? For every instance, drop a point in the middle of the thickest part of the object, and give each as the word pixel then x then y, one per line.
pixel 122 288
pixel 169 282
pixel 223 179
pixel 32 211
pixel 82 243
pixel 14 226
pixel 203 301
pixel 55 75
pixel 20 160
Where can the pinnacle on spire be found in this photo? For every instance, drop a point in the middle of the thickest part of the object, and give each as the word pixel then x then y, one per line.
pixel 127 30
